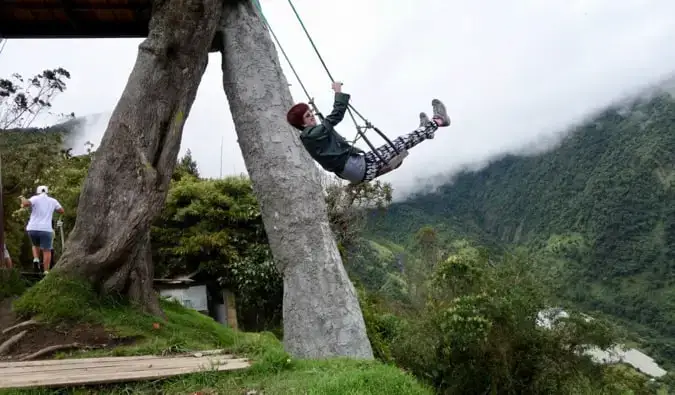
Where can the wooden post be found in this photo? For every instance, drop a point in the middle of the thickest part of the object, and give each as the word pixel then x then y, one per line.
pixel 231 308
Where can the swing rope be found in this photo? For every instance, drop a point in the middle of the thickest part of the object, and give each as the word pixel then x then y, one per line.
pixel 350 109
pixel 288 60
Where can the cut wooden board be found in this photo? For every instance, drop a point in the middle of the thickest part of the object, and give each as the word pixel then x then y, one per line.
pixel 81 361
pixel 71 372
pixel 124 364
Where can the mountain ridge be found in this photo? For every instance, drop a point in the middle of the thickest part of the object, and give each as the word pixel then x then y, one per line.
pixel 606 192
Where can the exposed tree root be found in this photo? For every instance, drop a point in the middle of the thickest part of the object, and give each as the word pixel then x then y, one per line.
pixel 4 347
pixel 20 325
pixel 50 349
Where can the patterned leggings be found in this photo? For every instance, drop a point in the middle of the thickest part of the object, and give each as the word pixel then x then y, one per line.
pixel 373 163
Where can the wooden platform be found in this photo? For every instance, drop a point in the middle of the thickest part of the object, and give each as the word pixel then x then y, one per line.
pixel 77 372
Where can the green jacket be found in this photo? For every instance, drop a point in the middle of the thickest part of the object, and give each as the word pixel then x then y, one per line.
pixel 324 144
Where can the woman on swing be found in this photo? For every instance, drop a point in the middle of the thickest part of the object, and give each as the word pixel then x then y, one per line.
pixel 336 155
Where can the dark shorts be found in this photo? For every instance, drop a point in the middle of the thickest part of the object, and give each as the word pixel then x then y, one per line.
pixel 41 239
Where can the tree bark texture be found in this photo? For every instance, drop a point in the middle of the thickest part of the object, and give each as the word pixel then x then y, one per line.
pixel 129 177
pixel 321 312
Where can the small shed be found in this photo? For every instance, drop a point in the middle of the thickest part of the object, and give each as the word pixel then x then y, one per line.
pixel 196 291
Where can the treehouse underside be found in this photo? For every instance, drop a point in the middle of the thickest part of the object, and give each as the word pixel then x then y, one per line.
pixel 74 18
pixel 38 19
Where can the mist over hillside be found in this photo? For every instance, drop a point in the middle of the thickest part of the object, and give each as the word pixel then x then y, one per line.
pixel 604 196
pixel 545 142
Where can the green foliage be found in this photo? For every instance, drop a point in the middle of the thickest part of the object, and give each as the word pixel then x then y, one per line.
pixel 348 207
pixel 185 166
pixel 479 332
pixel 377 268
pixel 64 175
pixel 11 283
pixel 597 209
pixel 382 326
pixel 27 155
pixel 215 226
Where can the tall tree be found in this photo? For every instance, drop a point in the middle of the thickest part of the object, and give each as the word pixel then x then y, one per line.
pixel 130 173
pixel 22 100
pixel 321 312
pixel 186 166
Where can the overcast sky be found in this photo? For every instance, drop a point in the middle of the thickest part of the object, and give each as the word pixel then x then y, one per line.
pixel 509 72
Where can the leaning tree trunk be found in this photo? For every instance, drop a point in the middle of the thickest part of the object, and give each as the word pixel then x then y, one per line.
pixel 129 177
pixel 321 311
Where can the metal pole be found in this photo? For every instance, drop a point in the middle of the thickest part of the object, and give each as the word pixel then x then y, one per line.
pixel 221 156
pixel 63 241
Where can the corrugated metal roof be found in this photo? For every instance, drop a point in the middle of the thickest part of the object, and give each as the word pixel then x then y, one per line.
pixel 74 18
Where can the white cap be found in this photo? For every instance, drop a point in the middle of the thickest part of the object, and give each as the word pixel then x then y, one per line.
pixel 42 189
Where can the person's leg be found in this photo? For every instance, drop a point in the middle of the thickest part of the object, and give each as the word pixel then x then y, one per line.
pixel 35 244
pixel 426 130
pixel 46 260
pixel 46 247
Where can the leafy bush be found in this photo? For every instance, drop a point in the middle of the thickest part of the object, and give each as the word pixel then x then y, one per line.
pixel 479 334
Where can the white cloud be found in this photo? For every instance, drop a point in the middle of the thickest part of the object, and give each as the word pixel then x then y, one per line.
pixel 509 72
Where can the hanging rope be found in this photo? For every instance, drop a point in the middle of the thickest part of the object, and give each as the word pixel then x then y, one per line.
pixel 288 60
pixel 351 110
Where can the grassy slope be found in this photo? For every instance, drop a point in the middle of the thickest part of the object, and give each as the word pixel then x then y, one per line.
pixel 273 372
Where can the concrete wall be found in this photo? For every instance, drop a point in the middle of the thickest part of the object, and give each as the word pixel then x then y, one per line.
pixel 192 297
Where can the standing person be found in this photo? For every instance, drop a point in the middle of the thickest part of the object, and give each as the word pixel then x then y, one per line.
pixel 39 226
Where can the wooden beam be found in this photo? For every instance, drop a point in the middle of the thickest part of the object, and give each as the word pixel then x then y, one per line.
pixel 70 14
pixel 85 29
pixel 76 5
pixel 74 372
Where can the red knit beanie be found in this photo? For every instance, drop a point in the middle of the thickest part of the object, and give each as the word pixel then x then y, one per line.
pixel 296 115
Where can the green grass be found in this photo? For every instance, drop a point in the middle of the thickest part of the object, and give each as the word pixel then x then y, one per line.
pixel 56 299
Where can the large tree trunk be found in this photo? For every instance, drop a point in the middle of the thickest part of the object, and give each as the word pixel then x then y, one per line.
pixel 321 312
pixel 129 177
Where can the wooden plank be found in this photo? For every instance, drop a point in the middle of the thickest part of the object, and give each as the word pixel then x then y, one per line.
pixel 36 379
pixel 74 361
pixel 118 365
pixel 94 372
pixel 121 365
pixel 91 375
pixel 116 377
pixel 81 361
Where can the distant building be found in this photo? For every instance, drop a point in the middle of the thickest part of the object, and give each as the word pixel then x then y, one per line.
pixel 198 292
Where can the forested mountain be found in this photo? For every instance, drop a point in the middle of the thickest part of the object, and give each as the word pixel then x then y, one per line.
pixel 606 193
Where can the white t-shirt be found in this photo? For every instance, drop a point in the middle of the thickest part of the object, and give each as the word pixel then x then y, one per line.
pixel 42 211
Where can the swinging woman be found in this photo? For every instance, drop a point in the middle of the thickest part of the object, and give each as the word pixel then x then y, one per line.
pixel 336 155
